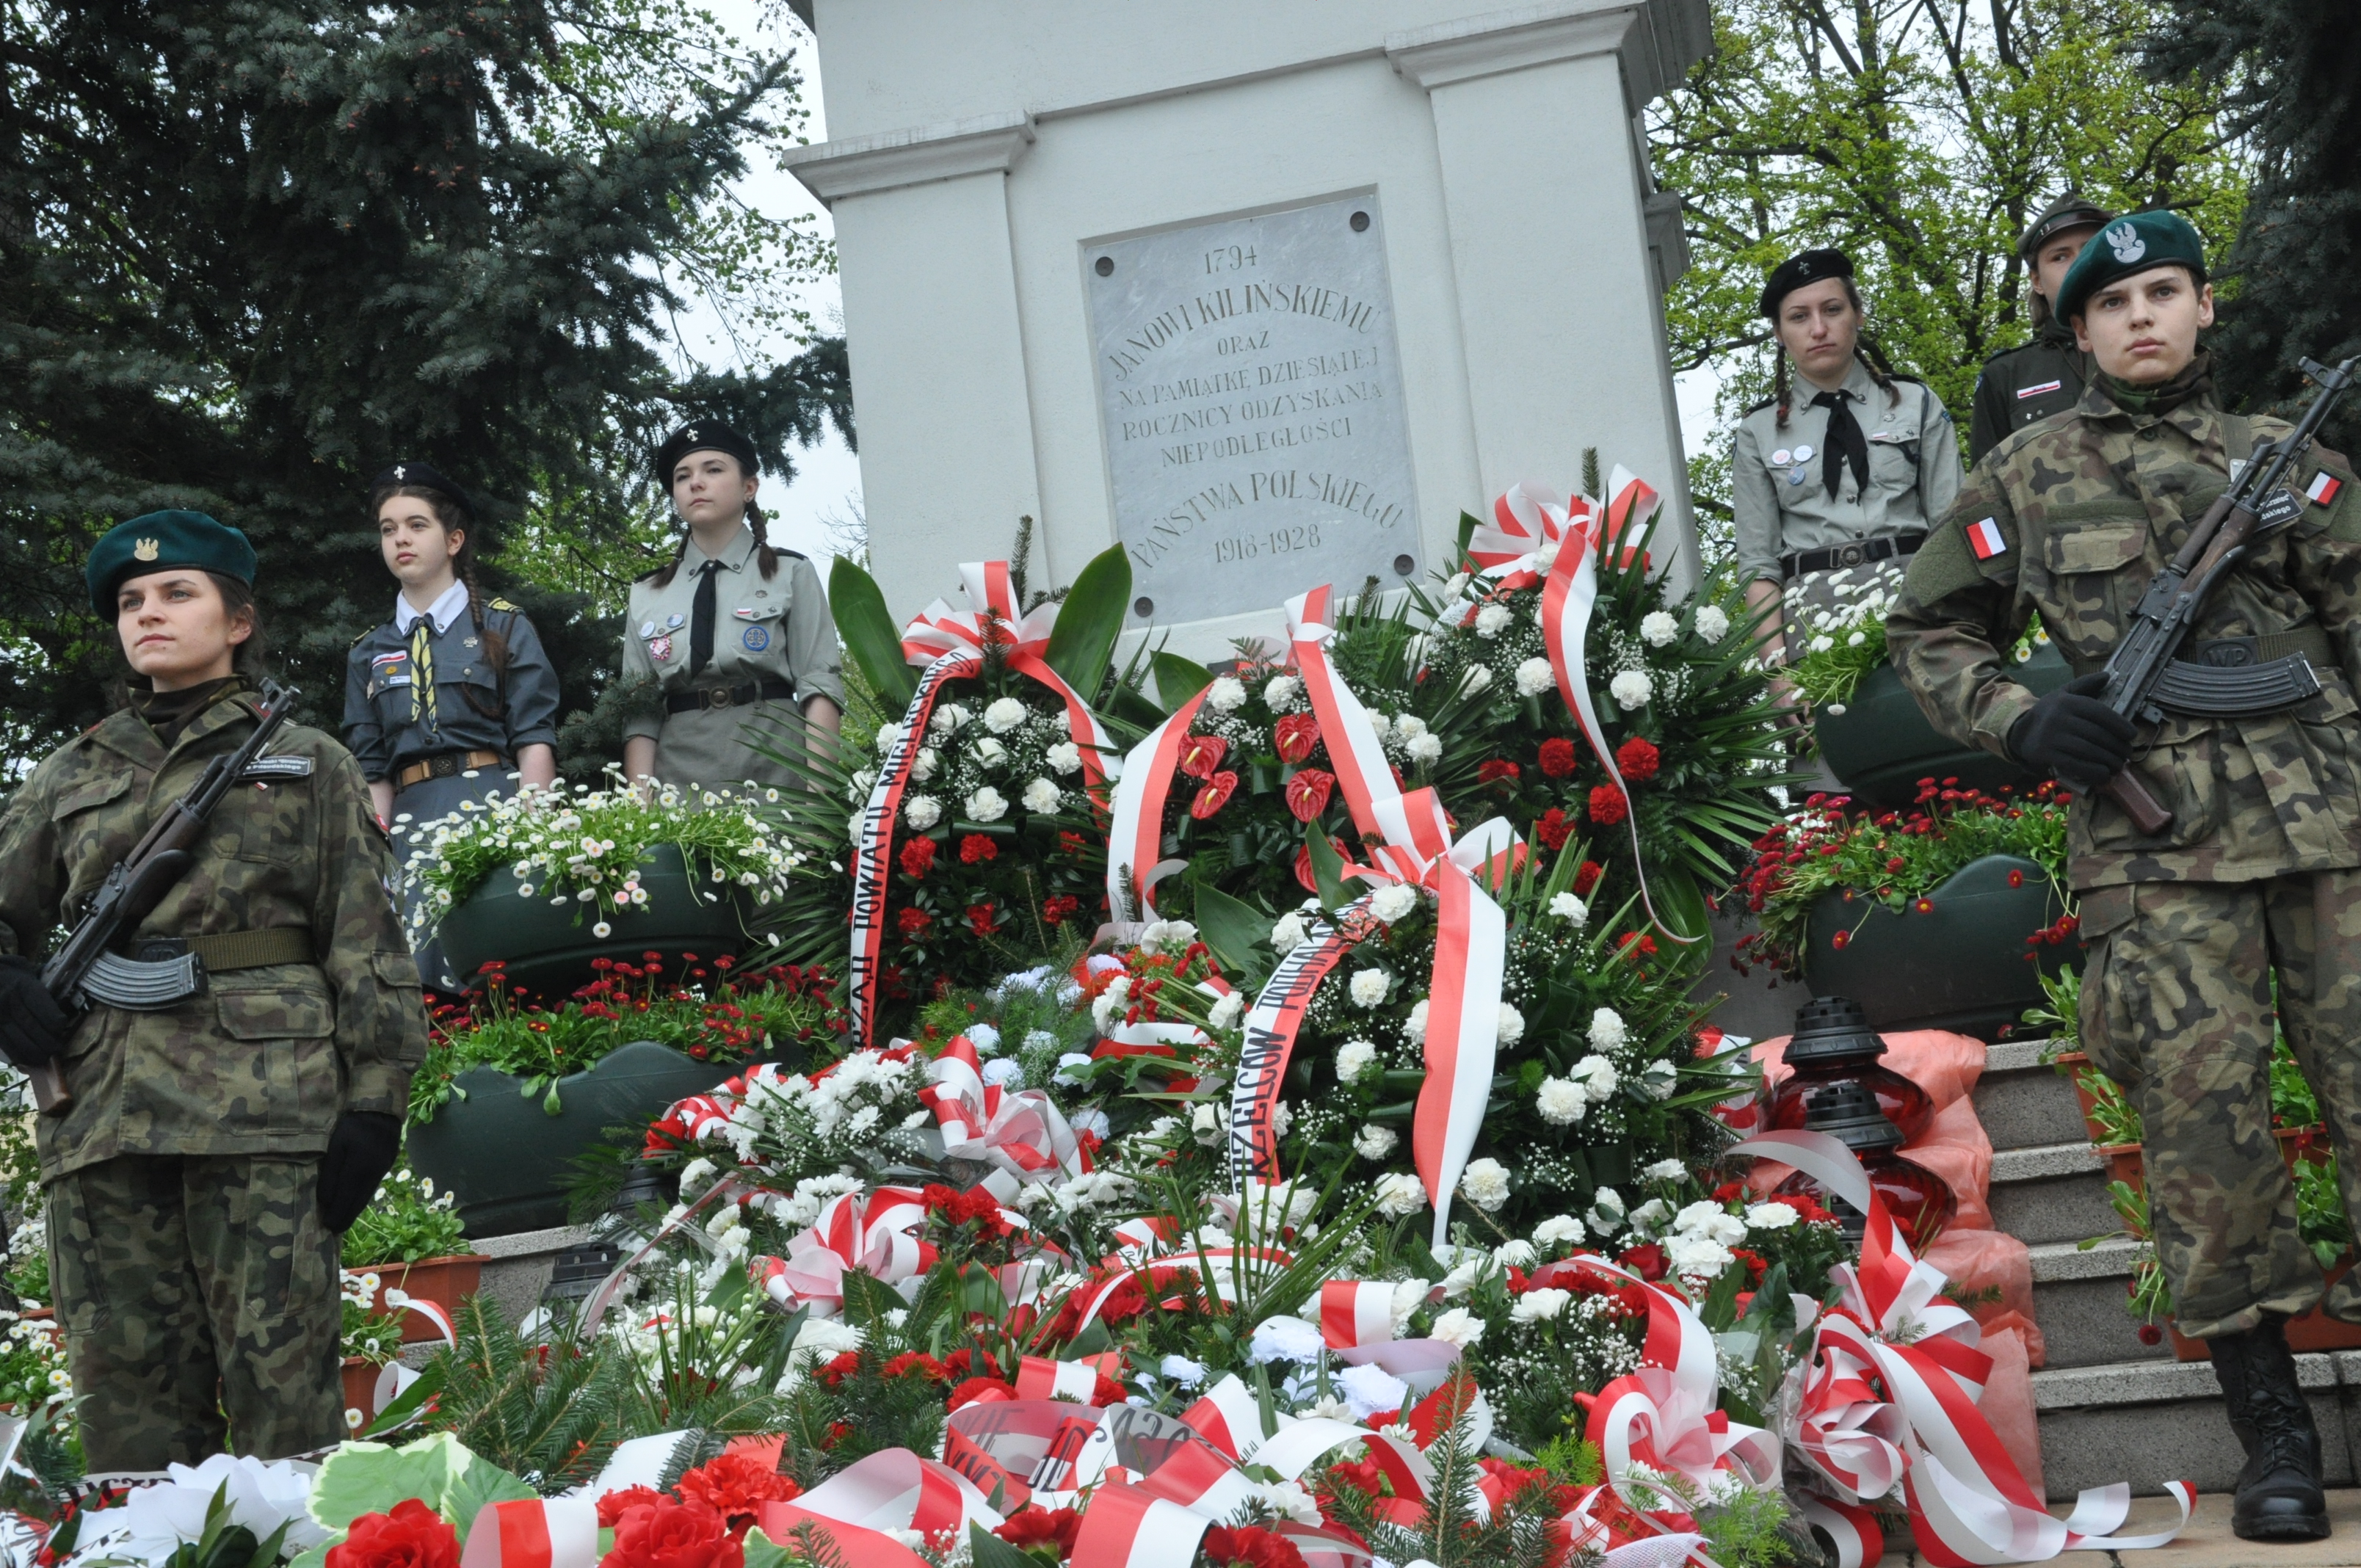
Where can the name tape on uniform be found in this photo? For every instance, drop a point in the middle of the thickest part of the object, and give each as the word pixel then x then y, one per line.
pixel 1984 539
pixel 2323 489
pixel 2024 393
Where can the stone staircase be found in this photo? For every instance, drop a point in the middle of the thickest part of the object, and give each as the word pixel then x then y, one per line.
pixel 2111 1408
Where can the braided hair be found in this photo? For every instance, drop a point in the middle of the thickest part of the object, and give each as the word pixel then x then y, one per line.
pixel 1864 349
pixel 766 558
pixel 454 515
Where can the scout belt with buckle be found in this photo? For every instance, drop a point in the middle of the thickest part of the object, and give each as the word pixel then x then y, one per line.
pixel 163 972
pixel 709 697
pixel 449 764
pixel 2244 677
pixel 1856 553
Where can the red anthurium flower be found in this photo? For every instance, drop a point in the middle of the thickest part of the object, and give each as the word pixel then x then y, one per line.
pixel 1215 794
pixel 1638 758
pixel 1296 734
pixel 1308 791
pixel 1201 755
pixel 1303 872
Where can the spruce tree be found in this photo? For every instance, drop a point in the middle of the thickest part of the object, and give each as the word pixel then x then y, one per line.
pixel 256 250
pixel 2293 276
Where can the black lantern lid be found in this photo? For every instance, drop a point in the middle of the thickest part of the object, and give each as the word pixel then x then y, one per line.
pixel 1833 1029
pixel 1849 1112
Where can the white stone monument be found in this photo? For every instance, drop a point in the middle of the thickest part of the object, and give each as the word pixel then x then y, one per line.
pixel 1268 293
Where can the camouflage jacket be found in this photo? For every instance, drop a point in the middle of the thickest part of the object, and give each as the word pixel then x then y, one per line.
pixel 2069 518
pixel 267 1059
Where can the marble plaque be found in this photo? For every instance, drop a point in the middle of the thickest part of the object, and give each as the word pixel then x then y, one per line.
pixel 1250 403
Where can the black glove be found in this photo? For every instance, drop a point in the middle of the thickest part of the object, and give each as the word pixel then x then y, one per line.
pixel 362 1147
pixel 2072 737
pixel 33 1028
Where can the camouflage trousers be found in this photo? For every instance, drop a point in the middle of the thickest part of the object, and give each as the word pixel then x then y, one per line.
pixel 2177 1007
pixel 191 1288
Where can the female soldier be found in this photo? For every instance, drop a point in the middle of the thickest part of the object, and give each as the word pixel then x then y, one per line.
pixel 1834 483
pixel 215 1144
pixel 745 657
pixel 452 698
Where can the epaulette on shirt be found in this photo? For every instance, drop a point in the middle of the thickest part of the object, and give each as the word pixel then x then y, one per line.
pixel 496 602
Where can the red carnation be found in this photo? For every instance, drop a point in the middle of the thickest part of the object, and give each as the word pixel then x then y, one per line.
pixel 613 1506
pixel 1585 877
pixel 917 857
pixel 1638 758
pixel 1308 791
pixel 410 1536
pixel 919 1362
pixel 1295 735
pixel 1224 1546
pixel 1201 755
pixel 975 847
pixel 975 1388
pixel 914 922
pixel 735 1485
pixel 1497 770
pixel 1608 806
pixel 1056 1528
pixel 1060 907
pixel 666 1534
pixel 1554 829
pixel 1557 756
pixel 981 917
pixel 1214 794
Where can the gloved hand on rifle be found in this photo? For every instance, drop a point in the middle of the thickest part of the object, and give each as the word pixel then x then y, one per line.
pixel 2073 736
pixel 362 1147
pixel 33 1028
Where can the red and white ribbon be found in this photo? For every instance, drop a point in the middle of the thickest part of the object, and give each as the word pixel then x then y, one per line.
pixel 877 1234
pixel 1021 1133
pixel 1271 1025
pixel 1356 1313
pixel 894 1490
pixel 1040 1377
pixel 550 1532
pixel 1136 829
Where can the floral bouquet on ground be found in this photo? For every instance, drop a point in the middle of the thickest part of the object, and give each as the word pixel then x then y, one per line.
pixel 1846 641
pixel 1893 858
pixel 407 1220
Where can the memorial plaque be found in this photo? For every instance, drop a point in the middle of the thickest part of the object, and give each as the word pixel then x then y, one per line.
pixel 1250 403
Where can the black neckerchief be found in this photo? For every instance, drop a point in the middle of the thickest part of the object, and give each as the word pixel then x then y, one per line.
pixel 169 713
pixel 1843 444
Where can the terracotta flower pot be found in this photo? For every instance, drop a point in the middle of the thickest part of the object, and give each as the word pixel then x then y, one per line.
pixel 1961 963
pixel 2315 1330
pixel 1881 745
pixel 548 948
pixel 444 1281
pixel 360 1388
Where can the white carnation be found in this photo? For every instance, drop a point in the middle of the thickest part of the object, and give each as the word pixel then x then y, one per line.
pixel 1695 1256
pixel 1458 1326
pixel 1560 1102
pixel 1003 714
pixel 922 812
pixel 1657 630
pixel 1606 1216
pixel 1224 1015
pixel 1478 678
pixel 1561 1230
pixel 988 752
pixel 1759 1216
pixel 1571 910
pixel 1712 623
pixel 1065 757
pixel 1280 693
pixel 987 805
pixel 1414 1026
pixel 887 735
pixel 1659 1079
pixel 1607 1029
pixel 923 765
pixel 1456 585
pixel 1540 1305
pixel 1354 1057
pixel 1515 1255
pixel 1373 1142
pixel 1665 1170
pixel 1512 1024
pixel 1426 749
pixel 1286 933
pixel 1400 1194
pixel 1486 1183
pixel 1225 694
pixel 1042 795
pixel 1709 1218
pixel 1535 677
pixel 1598 1077
pixel 1632 688
pixel 1409 727
pixel 1390 903
pixel 1370 987
pixel 1493 619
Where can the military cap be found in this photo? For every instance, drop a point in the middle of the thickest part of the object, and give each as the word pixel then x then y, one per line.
pixel 1804 266
pixel 704 435
pixel 160 540
pixel 2070 211
pixel 409 475
pixel 2136 242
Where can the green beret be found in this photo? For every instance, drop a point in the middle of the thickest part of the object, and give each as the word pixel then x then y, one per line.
pixel 2136 242
pixel 162 540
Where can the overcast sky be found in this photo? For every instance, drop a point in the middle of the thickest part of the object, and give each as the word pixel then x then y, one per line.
pixel 828 481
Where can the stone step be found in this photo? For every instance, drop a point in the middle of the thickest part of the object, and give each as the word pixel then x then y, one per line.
pixel 2147 1422
pixel 2023 1102
pixel 2077 1300
pixel 2206 1542
pixel 2052 1192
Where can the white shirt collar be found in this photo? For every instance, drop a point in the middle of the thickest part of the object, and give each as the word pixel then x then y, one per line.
pixel 445 612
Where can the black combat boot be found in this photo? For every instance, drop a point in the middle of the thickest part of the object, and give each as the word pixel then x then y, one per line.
pixel 2278 1492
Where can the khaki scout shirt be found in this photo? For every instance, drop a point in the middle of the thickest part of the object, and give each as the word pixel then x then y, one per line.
pixel 265 1061
pixel 2071 519
pixel 1914 473
pixel 776 627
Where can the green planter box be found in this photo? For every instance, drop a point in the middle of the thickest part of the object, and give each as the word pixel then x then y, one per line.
pixel 510 1162
pixel 1881 745
pixel 1958 966
pixel 548 948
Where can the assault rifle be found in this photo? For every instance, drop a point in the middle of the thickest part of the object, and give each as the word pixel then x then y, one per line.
pixel 86 967
pixel 2145 679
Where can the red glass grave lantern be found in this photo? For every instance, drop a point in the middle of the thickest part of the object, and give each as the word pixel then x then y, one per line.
pixel 1919 1201
pixel 1833 1045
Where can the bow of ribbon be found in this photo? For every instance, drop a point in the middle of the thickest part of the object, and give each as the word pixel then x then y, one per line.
pixel 1021 1133
pixel 878 1233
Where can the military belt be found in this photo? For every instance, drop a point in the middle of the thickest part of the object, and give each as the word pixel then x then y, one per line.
pixel 446 766
pixel 167 970
pixel 1858 553
pixel 764 690
pixel 2245 677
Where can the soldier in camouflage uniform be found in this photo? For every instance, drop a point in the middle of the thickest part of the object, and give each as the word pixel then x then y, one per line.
pixel 2258 874
pixel 212 1151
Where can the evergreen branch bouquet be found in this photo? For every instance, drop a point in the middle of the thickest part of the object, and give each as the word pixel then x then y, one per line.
pixel 1894 858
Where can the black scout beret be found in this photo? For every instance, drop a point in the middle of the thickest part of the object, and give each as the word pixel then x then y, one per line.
pixel 411 475
pixel 158 540
pixel 2136 242
pixel 1804 266
pixel 2070 211
pixel 704 435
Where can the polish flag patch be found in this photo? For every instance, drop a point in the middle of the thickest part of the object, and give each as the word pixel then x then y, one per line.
pixel 1984 539
pixel 2024 393
pixel 2323 488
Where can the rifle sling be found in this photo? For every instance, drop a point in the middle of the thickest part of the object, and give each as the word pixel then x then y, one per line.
pixel 226 950
pixel 2233 653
